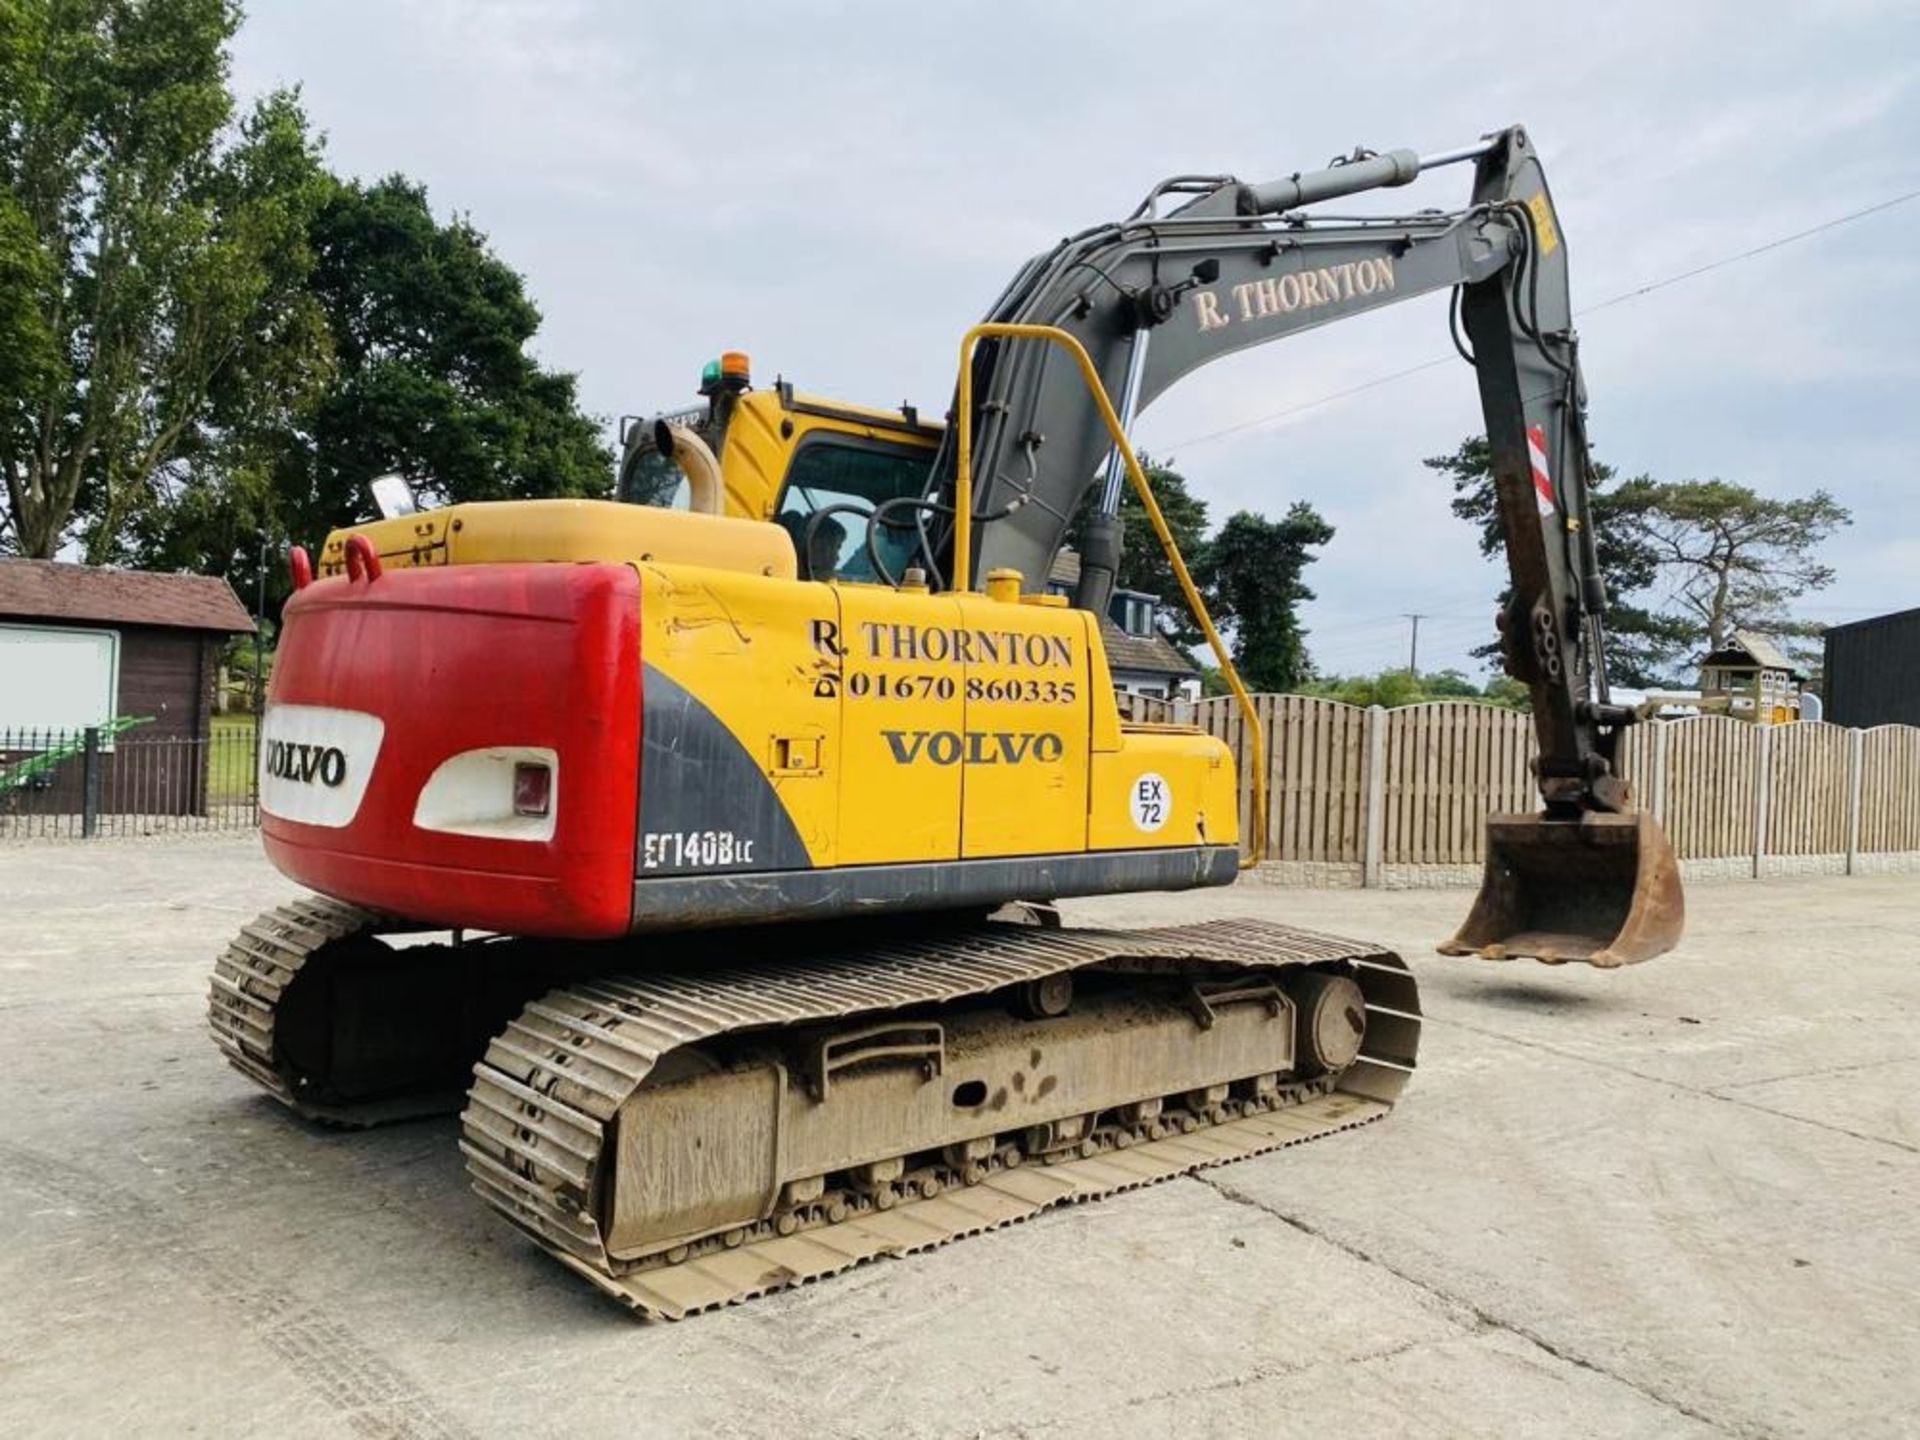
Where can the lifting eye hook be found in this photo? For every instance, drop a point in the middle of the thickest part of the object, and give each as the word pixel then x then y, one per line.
pixel 363 561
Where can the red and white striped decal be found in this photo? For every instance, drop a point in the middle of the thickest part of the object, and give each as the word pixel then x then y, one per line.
pixel 1542 479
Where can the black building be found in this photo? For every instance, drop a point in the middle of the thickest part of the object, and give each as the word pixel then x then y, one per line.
pixel 1873 671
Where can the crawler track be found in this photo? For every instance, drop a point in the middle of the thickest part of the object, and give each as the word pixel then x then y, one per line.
pixel 311 1004
pixel 539 1126
pixel 251 982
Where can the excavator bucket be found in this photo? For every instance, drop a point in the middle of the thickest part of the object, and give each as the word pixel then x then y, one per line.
pixel 1604 889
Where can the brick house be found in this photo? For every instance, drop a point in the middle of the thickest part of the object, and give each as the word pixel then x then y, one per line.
pixel 1143 660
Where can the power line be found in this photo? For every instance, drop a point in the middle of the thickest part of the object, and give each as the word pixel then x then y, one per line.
pixel 1473 609
pixel 1381 649
pixel 1312 404
pixel 1620 299
pixel 1393 656
pixel 1775 244
pixel 1383 638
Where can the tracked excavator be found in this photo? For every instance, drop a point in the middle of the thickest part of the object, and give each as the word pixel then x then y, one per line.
pixel 701 845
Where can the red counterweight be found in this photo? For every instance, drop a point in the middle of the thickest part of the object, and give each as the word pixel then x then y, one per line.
pixel 406 712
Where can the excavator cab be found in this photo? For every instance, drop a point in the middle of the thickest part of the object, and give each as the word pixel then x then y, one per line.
pixel 843 481
pixel 1604 889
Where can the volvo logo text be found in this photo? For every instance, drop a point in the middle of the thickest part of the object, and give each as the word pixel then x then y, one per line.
pixel 308 764
pixel 976 747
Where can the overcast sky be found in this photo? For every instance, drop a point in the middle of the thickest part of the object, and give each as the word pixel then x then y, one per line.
pixel 840 189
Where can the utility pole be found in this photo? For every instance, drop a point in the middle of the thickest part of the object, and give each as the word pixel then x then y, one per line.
pixel 1413 650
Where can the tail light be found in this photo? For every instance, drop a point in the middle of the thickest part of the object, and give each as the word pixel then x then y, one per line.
pixel 532 789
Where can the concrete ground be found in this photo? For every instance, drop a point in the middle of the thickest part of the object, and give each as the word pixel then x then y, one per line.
pixel 1671 1201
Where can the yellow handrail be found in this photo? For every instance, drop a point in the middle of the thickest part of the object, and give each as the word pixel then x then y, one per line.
pixel 963 532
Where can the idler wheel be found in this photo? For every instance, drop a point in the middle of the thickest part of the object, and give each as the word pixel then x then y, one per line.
pixel 1332 1020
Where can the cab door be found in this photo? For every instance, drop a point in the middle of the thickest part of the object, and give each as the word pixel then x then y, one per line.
pixel 903 718
pixel 1027 723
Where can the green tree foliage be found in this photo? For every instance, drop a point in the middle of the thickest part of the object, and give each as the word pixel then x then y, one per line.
pixel 1507 691
pixel 1644 645
pixel 427 331
pixel 1249 575
pixel 1731 558
pixel 1253 570
pixel 1449 685
pixel 1393 688
pixel 204 335
pixel 1143 563
pixel 205 510
pixel 1390 689
pixel 27 352
pixel 1723 556
pixel 152 253
pixel 430 331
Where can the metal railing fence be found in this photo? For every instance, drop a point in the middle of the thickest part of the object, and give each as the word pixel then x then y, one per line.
pixel 124 780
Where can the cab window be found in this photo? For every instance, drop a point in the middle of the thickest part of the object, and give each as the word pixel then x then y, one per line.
pixel 829 472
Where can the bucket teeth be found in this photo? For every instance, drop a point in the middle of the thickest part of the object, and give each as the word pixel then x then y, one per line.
pixel 1603 890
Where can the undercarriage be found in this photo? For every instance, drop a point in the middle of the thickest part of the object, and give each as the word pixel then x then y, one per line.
pixel 686 1132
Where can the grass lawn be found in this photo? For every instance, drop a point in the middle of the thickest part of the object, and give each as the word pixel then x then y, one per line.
pixel 230 760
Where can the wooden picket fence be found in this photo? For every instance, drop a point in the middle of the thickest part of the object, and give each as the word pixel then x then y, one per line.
pixel 1377 789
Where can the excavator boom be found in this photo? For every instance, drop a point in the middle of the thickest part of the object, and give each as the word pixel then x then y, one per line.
pixel 1155 297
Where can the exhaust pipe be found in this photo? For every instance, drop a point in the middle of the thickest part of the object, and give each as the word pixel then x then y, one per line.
pixel 1603 889
pixel 697 462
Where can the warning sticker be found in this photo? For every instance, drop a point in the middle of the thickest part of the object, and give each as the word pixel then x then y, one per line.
pixel 1542 477
pixel 1544 230
pixel 1151 801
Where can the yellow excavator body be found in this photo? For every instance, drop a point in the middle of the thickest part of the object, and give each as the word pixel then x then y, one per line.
pixel 742 800
pixel 898 727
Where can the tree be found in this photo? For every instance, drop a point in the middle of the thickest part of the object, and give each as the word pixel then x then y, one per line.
pixel 427 331
pixel 1390 689
pixel 1448 685
pixel 206 508
pixel 151 252
pixel 204 336
pixel 1644 645
pixel 1393 688
pixel 1249 575
pixel 1730 558
pixel 1253 569
pixel 1507 691
pixel 27 351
